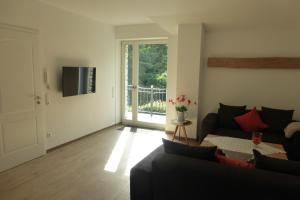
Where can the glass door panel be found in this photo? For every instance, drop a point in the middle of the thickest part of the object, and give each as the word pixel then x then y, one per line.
pixel 152 82
pixel 128 53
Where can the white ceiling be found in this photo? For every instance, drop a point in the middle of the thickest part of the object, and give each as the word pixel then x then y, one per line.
pixel 171 12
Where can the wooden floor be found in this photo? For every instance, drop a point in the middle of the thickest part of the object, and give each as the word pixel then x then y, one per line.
pixel 94 167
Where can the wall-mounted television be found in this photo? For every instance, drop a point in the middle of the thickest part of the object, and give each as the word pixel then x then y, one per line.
pixel 78 80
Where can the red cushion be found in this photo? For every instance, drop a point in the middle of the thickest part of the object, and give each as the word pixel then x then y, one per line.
pixel 251 121
pixel 233 162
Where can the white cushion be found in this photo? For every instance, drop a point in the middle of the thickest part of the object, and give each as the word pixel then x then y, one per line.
pixel 291 129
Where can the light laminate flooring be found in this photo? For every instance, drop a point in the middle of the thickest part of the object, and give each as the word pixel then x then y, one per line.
pixel 95 167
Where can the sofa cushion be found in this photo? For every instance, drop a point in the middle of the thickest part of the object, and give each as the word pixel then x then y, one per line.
pixel 228 113
pixel 276 119
pixel 251 121
pixel 277 165
pixel 206 153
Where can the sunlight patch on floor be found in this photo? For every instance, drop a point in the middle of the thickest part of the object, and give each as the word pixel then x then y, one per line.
pixel 116 155
pixel 144 117
pixel 143 144
pixel 140 143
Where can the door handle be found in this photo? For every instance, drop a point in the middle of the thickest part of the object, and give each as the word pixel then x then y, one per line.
pixel 37 99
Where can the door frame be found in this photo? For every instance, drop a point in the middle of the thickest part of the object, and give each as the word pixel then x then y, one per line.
pixel 38 86
pixel 135 60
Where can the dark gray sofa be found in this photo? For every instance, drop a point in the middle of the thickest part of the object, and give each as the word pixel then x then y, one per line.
pixel 162 176
pixel 210 125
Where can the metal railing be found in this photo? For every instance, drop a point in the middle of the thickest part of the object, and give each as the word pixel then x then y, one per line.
pixel 150 100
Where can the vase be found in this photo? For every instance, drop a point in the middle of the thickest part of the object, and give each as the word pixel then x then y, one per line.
pixel 180 116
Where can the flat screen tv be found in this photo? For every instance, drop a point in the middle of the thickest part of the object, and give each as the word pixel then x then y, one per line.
pixel 78 80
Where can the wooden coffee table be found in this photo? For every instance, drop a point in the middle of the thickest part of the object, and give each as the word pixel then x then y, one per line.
pixel 242 148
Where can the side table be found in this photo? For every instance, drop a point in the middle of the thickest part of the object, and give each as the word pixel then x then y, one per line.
pixel 181 126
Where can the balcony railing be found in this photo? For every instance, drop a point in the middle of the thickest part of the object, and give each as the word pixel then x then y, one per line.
pixel 150 100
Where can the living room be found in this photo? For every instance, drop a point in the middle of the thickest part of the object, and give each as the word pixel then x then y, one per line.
pixel 85 140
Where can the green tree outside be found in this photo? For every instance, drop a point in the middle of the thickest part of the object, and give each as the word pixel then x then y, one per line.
pixel 152 65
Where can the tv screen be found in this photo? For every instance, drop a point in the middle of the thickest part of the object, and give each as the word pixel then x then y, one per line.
pixel 78 80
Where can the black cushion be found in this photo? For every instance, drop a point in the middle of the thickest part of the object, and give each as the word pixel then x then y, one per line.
pixel 228 113
pixel 277 165
pixel 276 119
pixel 206 153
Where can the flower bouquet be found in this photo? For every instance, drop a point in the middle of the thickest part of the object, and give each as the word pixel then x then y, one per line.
pixel 181 104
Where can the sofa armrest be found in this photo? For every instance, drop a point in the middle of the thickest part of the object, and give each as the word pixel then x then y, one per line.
pixel 141 177
pixel 209 124
pixel 292 146
pixel 296 138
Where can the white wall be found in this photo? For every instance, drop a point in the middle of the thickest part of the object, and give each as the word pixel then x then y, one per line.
pixel 172 80
pixel 69 39
pixel 188 69
pixel 276 88
pixel 140 31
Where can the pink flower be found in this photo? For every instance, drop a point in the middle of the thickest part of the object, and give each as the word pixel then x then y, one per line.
pixel 181 98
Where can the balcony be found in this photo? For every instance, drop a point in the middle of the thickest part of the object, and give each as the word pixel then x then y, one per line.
pixel 151 106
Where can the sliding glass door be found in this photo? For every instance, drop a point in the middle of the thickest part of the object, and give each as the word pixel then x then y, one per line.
pixel 144 70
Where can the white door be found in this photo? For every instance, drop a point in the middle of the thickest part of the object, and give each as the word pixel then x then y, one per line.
pixel 21 130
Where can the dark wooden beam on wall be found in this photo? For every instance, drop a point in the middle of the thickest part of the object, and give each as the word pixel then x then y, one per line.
pixel 265 62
